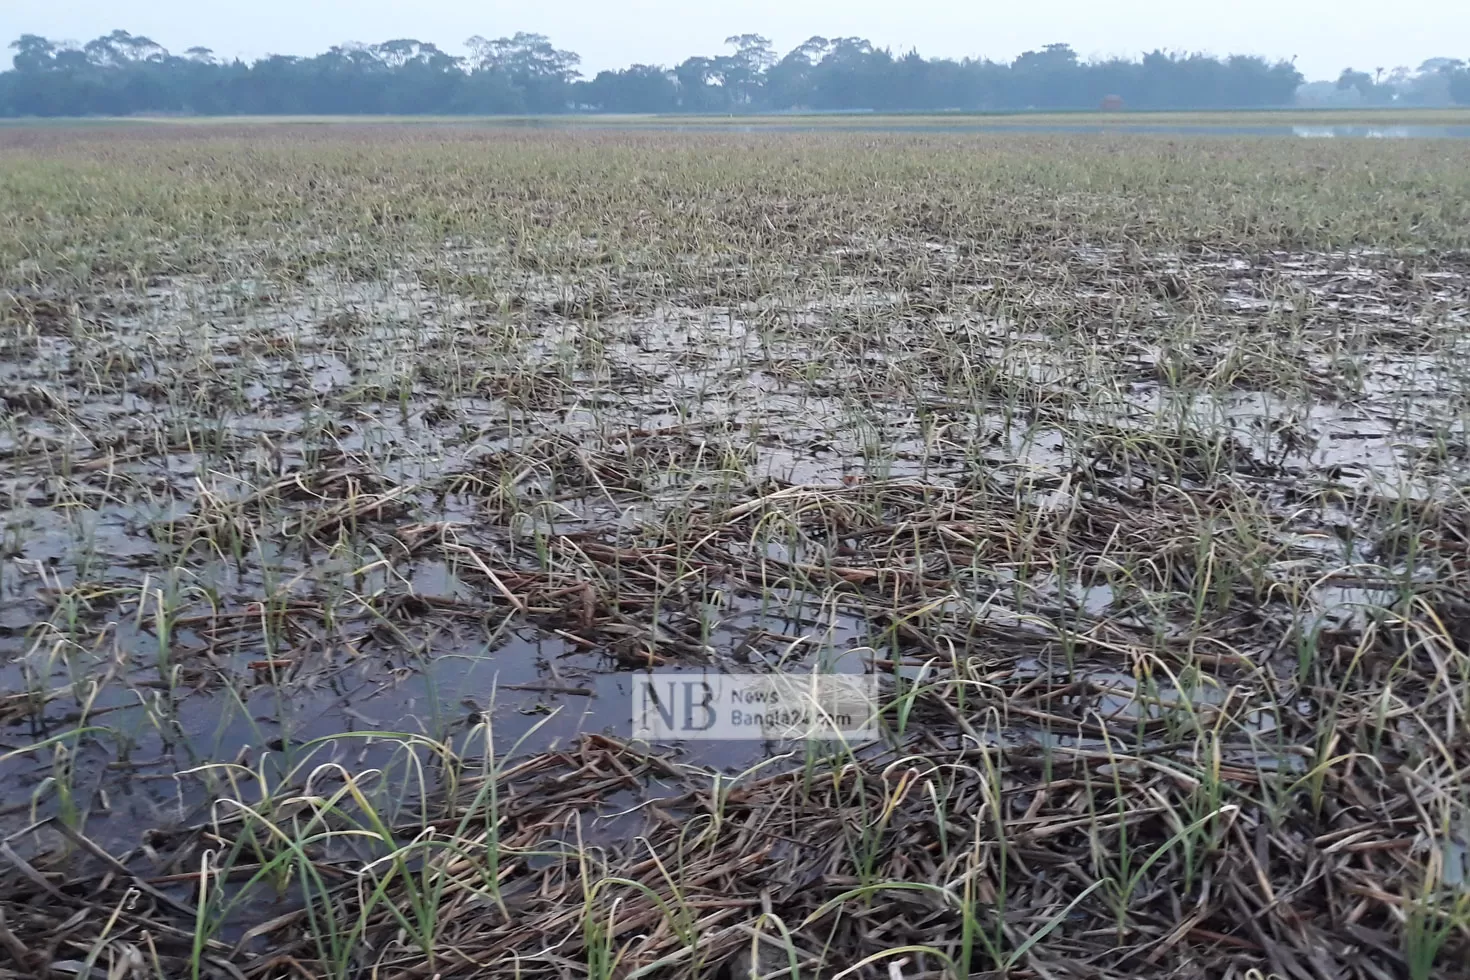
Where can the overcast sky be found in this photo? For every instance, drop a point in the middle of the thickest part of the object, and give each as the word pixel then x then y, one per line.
pixel 1323 35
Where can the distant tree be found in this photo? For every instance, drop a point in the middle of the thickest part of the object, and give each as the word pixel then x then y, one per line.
pixel 1440 64
pixel 1368 86
pixel 789 81
pixel 854 75
pixel 743 73
pixel 1460 86
pixel 640 88
pixel 1426 85
pixel 121 48
pixel 1051 78
pixel 33 53
pixel 1350 79
pixel 273 86
pixel 701 83
pixel 121 73
pixel 539 75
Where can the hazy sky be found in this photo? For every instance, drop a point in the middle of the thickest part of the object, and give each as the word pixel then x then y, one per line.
pixel 1324 35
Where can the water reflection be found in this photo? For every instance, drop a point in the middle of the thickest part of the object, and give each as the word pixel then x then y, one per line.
pixel 1093 129
pixel 1382 132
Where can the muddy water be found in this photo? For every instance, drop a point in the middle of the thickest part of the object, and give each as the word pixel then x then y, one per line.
pixel 959 126
pixel 256 522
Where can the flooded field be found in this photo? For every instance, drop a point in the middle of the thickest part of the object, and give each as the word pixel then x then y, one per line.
pixel 349 477
pixel 961 126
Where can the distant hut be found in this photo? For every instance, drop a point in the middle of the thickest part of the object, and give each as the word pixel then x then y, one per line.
pixel 1112 103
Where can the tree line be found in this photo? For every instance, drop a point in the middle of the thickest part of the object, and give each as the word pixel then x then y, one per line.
pixel 1437 81
pixel 123 74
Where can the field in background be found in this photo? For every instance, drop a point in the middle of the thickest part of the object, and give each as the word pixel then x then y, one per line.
pixel 345 476
pixel 1222 118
